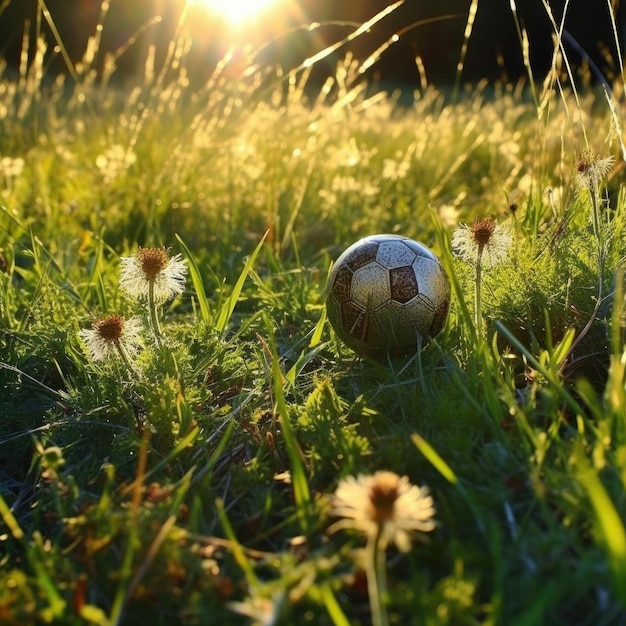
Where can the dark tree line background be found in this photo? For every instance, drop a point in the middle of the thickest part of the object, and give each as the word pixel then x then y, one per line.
pixel 494 49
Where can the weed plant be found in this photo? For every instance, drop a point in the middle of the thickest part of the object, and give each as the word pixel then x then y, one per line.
pixel 181 470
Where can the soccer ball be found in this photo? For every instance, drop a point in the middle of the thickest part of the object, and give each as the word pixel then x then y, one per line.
pixel 387 295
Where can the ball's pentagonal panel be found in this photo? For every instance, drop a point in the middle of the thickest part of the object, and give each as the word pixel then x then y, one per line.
pixel 362 255
pixel 387 295
pixel 439 318
pixel 343 284
pixel 403 284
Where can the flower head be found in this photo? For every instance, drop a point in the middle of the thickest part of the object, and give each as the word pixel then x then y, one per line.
pixel 590 169
pixel 263 611
pixel 484 242
pixel 153 267
pixel 385 505
pixel 112 334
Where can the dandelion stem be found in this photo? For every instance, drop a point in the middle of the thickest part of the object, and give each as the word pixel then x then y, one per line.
pixel 154 316
pixel 125 358
pixel 594 192
pixel 478 315
pixel 377 578
pixel 593 186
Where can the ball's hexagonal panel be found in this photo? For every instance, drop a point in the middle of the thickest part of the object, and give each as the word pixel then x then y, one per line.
pixel 431 279
pixel 370 286
pixel 394 253
pixel 354 320
pixel 403 284
pixel 420 249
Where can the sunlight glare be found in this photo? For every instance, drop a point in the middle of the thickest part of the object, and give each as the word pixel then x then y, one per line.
pixel 235 12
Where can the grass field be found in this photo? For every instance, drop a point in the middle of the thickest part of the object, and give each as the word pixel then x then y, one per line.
pixel 180 426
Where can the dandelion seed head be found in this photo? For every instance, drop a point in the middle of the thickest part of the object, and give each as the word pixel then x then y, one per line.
pixel 110 328
pixel 153 266
pixel 263 611
pixel 590 168
pixel 383 496
pixel 111 333
pixel 383 502
pixel 485 242
pixel 482 231
pixel 152 260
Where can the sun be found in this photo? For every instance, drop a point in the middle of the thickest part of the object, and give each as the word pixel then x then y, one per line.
pixel 236 12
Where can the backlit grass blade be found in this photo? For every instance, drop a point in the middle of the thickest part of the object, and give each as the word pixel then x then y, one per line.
pixel 198 285
pixel 301 363
pixel 298 475
pixel 435 460
pixel 9 520
pixel 183 444
pixel 549 374
pixel 469 26
pixel 332 605
pixel 446 471
pixel 56 602
pixel 235 546
pixel 316 337
pixel 609 521
pixel 59 41
pixel 363 28
pixel 229 304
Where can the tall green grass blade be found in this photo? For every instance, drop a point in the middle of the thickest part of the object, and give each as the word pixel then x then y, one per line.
pixel 183 444
pixel 469 27
pixel 333 607
pixel 198 284
pixel 235 546
pixel 301 363
pixel 56 602
pixel 299 481
pixel 228 307
pixel 9 520
pixel 435 460
pixel 610 524
pixel 363 28
pixel 458 294
pixel 550 375
pixel 446 471
pixel 318 331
